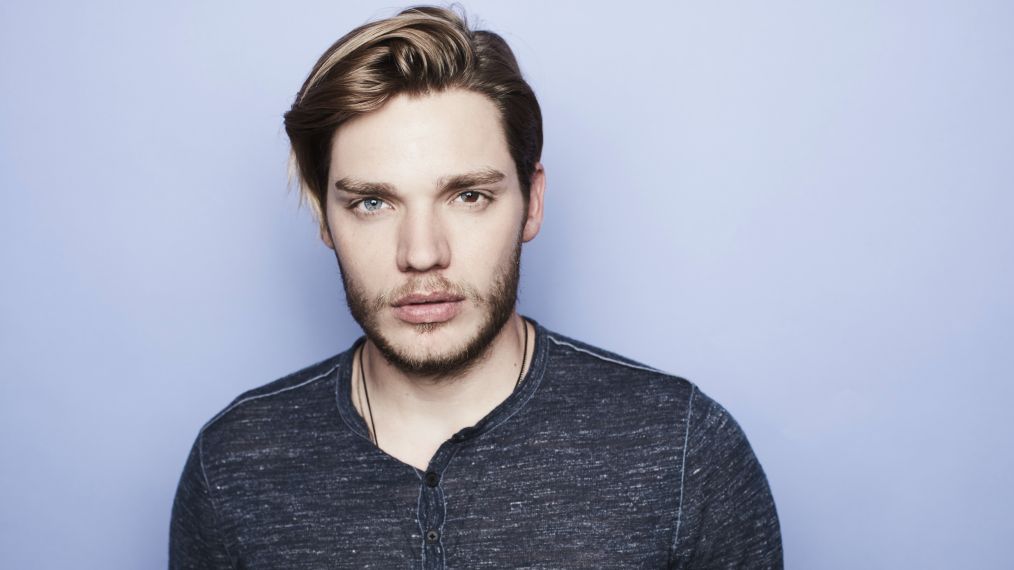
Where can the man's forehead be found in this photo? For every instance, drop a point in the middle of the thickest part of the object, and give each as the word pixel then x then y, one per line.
pixel 442 134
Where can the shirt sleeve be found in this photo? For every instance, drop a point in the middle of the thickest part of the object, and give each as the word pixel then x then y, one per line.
pixel 195 540
pixel 727 516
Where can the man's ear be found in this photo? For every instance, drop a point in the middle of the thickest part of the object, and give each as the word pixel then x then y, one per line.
pixel 325 234
pixel 536 193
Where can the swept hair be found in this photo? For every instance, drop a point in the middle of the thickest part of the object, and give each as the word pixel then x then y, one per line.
pixel 423 49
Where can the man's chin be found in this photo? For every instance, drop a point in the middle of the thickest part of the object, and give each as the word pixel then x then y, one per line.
pixel 415 362
pixel 435 349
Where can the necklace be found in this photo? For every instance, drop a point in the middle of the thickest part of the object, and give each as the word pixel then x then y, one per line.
pixel 362 377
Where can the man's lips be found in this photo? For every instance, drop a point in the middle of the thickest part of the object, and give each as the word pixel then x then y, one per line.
pixel 435 297
pixel 419 308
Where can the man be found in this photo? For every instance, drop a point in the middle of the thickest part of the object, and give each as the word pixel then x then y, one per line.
pixel 455 433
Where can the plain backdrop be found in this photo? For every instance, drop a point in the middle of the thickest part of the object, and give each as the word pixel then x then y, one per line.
pixel 804 207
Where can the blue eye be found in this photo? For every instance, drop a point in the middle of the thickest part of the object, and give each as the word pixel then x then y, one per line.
pixel 372 204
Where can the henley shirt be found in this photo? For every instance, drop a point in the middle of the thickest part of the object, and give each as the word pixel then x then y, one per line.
pixel 594 461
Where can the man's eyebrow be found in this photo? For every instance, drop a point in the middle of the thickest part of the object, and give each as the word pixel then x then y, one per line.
pixel 470 179
pixel 454 182
pixel 354 186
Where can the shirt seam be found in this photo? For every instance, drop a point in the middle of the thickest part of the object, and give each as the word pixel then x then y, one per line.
pixel 233 560
pixel 683 468
pixel 443 521
pixel 418 522
pixel 606 358
pixel 443 500
pixel 242 401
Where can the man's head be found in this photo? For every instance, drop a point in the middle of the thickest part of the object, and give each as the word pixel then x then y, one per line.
pixel 417 143
pixel 421 50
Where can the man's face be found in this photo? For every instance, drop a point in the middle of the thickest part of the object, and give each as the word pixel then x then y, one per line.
pixel 426 217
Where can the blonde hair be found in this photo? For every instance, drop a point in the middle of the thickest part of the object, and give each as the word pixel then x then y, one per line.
pixel 423 49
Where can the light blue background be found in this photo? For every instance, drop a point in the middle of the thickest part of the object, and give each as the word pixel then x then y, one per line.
pixel 804 207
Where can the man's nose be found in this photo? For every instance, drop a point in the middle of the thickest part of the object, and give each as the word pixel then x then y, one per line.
pixel 422 242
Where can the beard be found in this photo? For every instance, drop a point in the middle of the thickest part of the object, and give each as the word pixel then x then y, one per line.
pixel 497 305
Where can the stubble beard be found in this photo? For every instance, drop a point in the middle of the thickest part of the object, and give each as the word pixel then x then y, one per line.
pixel 497 306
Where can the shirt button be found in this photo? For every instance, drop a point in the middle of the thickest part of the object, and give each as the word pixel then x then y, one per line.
pixel 432 535
pixel 432 479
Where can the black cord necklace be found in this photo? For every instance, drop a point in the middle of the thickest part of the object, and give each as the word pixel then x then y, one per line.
pixel 362 377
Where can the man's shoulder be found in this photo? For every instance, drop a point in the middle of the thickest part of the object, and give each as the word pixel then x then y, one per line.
pixel 579 359
pixel 277 397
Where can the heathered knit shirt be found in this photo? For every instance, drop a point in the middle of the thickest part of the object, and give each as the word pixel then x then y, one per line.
pixel 594 461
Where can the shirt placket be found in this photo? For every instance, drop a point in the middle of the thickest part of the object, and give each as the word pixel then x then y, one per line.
pixel 433 503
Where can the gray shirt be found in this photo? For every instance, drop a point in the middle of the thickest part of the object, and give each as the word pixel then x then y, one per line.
pixel 594 461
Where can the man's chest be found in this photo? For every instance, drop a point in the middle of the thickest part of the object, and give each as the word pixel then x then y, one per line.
pixel 558 508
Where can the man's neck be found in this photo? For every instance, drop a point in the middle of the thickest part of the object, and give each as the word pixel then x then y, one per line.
pixel 401 402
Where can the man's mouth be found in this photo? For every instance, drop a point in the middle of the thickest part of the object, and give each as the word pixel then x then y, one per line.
pixel 427 298
pixel 419 308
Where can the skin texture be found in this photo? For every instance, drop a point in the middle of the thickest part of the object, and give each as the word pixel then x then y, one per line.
pixel 417 234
